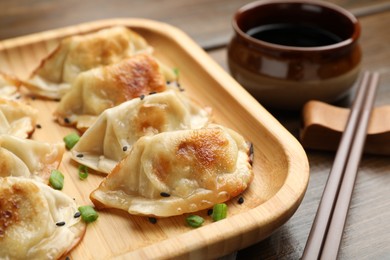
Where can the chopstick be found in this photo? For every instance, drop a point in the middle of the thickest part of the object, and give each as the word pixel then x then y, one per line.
pixel 326 232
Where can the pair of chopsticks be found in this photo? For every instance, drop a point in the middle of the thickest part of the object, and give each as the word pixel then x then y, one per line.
pixel 325 236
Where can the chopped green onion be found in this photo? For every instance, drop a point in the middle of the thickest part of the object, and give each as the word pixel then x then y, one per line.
pixel 71 140
pixel 176 71
pixel 219 211
pixel 56 179
pixel 88 213
pixel 83 172
pixel 194 221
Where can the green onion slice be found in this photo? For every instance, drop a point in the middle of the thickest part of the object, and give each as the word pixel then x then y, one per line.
pixel 71 140
pixel 56 179
pixel 88 213
pixel 176 71
pixel 83 172
pixel 194 221
pixel 219 211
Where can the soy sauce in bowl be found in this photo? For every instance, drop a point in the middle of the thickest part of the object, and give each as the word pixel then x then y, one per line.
pixel 287 52
pixel 298 35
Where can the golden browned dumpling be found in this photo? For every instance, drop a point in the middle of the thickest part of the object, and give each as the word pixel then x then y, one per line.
pixel 177 172
pixel 107 141
pixel 98 89
pixel 36 221
pixel 17 118
pixel 29 158
pixel 79 53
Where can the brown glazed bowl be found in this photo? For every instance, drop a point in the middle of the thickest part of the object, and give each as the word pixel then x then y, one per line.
pixel 287 76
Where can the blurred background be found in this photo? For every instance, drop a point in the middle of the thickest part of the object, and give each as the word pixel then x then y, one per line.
pixel 208 22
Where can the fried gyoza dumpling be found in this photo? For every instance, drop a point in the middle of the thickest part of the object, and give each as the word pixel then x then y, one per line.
pixel 79 53
pixel 17 118
pixel 177 172
pixel 36 221
pixel 9 86
pixel 95 90
pixel 29 158
pixel 106 142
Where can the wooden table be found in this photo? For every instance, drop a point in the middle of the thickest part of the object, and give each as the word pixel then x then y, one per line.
pixel 208 22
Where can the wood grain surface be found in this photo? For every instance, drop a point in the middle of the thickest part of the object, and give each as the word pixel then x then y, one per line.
pixel 208 23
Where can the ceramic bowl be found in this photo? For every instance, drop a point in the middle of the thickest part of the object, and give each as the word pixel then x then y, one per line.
pixel 285 74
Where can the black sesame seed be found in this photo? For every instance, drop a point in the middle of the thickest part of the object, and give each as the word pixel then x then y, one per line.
pixel 209 212
pixel 80 155
pixel 124 148
pixel 152 93
pixel 240 200
pixel 164 194
pixel 66 120
pixel 67 258
pixel 77 214
pixel 61 223
pixel 18 97
pixel 152 220
pixel 168 82
pixel 39 126
pixel 142 97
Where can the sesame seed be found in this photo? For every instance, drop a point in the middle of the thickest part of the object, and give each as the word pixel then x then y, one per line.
pixel 60 224
pixel 80 155
pixel 240 200
pixel 168 82
pixel 38 126
pixel 124 148
pixel 77 214
pixel 66 120
pixel 209 212
pixel 142 97
pixel 153 92
pixel 164 194
pixel 152 220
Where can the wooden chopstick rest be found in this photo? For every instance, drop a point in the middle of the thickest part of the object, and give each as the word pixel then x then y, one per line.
pixel 323 125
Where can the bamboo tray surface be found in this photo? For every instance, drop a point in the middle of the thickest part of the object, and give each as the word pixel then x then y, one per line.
pixel 280 164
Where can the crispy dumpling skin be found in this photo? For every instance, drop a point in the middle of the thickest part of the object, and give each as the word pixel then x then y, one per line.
pixel 29 158
pixel 17 118
pixel 197 168
pixel 98 89
pixel 9 86
pixel 107 141
pixel 29 213
pixel 80 53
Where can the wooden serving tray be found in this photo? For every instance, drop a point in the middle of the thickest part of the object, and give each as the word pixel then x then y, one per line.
pixel 280 163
